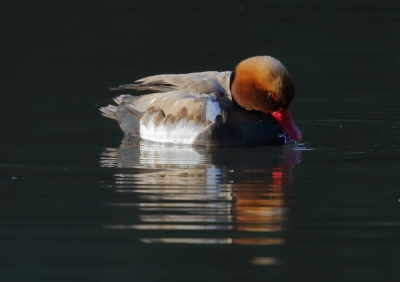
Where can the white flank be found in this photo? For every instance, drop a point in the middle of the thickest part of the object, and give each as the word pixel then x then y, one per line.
pixel 183 132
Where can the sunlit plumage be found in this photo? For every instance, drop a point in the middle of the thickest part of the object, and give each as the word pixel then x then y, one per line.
pixel 245 107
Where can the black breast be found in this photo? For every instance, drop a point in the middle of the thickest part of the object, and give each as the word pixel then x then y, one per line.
pixel 237 127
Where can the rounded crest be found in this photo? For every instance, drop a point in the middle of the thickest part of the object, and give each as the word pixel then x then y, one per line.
pixel 262 83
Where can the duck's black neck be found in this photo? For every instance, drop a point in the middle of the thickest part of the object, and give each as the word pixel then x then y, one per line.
pixel 235 105
pixel 231 79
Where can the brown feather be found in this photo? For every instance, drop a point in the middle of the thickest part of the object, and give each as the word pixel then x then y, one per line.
pixel 262 84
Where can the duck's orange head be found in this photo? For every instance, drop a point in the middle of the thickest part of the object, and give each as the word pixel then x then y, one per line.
pixel 263 84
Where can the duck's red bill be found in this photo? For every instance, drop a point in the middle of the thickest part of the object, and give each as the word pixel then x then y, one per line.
pixel 285 120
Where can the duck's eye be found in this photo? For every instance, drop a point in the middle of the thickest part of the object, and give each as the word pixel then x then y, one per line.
pixel 270 95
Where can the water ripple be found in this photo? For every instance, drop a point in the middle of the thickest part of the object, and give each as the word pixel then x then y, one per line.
pixel 183 189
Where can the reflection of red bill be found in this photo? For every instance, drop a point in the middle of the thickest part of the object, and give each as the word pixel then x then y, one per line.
pixel 285 120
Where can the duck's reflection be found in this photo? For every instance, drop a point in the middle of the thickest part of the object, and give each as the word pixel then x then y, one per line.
pixel 246 191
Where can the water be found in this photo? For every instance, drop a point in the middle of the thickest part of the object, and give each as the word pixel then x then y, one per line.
pixel 81 202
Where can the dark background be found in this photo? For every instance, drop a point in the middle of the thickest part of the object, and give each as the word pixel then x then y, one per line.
pixel 57 60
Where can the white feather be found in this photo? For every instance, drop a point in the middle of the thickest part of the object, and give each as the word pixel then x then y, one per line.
pixel 182 132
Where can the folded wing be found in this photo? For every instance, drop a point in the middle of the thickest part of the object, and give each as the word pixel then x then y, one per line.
pixel 180 101
pixel 210 82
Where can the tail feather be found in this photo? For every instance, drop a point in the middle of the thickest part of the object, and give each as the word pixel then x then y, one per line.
pixel 109 111
pixel 123 100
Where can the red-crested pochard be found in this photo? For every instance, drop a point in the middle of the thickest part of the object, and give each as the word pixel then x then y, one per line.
pixel 245 107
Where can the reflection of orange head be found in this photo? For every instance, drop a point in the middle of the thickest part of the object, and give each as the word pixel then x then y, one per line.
pixel 258 241
pixel 261 207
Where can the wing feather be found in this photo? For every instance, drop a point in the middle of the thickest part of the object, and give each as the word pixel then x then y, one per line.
pixel 210 82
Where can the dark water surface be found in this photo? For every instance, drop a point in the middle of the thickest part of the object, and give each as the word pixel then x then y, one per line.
pixel 79 202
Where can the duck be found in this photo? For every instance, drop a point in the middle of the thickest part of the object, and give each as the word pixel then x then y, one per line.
pixel 246 107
